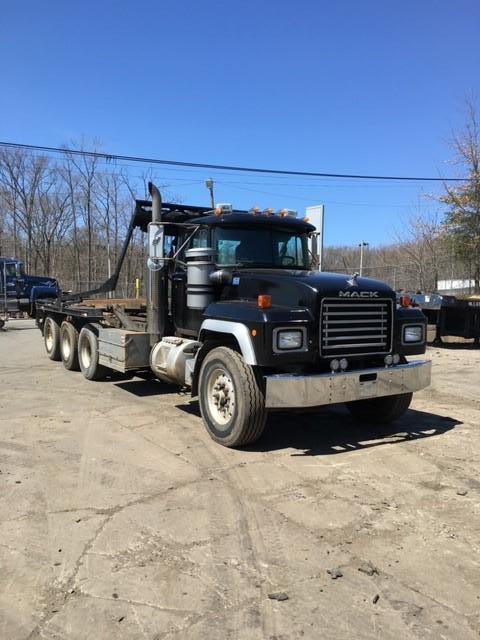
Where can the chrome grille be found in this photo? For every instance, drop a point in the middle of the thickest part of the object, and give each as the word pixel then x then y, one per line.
pixel 355 326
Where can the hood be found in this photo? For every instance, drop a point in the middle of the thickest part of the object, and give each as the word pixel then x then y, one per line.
pixel 303 288
pixel 43 281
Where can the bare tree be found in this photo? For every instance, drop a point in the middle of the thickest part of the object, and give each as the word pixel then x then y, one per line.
pixel 422 243
pixel 463 215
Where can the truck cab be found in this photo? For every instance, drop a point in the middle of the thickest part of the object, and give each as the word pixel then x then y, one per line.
pixel 237 311
pixel 21 291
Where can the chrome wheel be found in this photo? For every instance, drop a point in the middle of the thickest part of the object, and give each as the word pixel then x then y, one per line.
pixel 221 396
pixel 66 347
pixel 49 340
pixel 86 354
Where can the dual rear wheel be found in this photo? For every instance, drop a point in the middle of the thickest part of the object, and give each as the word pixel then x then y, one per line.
pixel 78 350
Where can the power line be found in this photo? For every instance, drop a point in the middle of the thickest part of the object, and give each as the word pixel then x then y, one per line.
pixel 109 157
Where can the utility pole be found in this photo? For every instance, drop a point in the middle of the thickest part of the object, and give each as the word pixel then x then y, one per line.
pixel 209 184
pixel 362 245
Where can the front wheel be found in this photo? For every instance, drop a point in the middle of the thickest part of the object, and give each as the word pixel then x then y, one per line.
pixel 231 401
pixel 380 410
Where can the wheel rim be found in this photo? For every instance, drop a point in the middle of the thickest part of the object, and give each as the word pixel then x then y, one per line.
pixel 220 396
pixel 86 354
pixel 48 336
pixel 66 348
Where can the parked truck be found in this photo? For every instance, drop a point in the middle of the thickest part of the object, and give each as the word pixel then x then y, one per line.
pixel 234 312
pixel 19 292
pixel 452 316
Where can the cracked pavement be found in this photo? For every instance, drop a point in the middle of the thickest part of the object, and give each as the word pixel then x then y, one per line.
pixel 121 519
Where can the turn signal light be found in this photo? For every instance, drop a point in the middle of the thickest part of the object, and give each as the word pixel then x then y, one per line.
pixel 264 301
pixel 405 301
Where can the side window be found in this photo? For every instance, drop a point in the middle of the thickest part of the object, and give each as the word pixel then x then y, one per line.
pixel 200 239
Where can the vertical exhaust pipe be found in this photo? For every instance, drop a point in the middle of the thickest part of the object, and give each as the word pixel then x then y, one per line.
pixel 157 302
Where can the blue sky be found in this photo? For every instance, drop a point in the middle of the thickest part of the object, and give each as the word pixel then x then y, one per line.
pixel 363 87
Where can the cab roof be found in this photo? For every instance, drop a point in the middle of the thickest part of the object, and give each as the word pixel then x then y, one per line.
pixel 237 219
pixel 192 214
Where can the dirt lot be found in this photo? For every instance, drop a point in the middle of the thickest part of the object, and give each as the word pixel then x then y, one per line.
pixel 120 518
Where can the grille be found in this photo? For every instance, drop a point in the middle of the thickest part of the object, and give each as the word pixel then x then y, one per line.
pixel 355 327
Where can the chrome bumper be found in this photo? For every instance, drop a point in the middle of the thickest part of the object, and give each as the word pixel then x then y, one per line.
pixel 288 391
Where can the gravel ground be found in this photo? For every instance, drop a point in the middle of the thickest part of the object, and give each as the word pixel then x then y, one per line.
pixel 121 519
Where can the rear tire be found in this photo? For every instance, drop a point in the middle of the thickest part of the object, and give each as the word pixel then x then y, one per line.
pixel 231 401
pixel 69 346
pixel 380 410
pixel 51 338
pixel 88 354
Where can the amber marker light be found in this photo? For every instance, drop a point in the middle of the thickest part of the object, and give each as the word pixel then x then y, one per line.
pixel 405 301
pixel 254 332
pixel 264 301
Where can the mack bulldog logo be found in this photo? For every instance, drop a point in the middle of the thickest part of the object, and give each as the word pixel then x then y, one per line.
pixel 358 294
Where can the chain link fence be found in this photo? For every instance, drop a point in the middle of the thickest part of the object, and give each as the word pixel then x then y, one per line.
pixel 446 278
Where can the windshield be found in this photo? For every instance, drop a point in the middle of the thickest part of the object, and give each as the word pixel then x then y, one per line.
pixel 10 269
pixel 264 247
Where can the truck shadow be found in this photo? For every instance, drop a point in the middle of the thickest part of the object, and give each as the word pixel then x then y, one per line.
pixel 144 385
pixel 332 431
pixel 314 432
pixel 454 345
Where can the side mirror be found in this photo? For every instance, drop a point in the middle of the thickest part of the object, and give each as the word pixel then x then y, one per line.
pixel 156 251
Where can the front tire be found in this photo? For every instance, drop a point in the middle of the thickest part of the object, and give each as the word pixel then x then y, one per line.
pixel 380 410
pixel 51 338
pixel 88 354
pixel 231 401
pixel 69 346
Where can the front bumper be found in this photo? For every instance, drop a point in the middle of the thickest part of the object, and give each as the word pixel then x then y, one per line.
pixel 285 391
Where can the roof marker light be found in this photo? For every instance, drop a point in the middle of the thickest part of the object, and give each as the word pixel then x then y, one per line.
pixel 223 207
pixel 291 213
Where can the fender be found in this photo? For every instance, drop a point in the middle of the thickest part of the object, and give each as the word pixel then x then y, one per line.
pixel 39 291
pixel 237 329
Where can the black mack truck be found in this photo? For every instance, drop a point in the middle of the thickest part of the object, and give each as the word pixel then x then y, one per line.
pixel 235 311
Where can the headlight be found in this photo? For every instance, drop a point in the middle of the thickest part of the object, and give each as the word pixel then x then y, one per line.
pixel 287 340
pixel 413 333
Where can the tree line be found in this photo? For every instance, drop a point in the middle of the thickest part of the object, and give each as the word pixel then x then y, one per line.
pixel 66 216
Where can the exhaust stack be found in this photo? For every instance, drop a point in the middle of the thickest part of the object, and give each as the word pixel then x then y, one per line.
pixel 157 302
